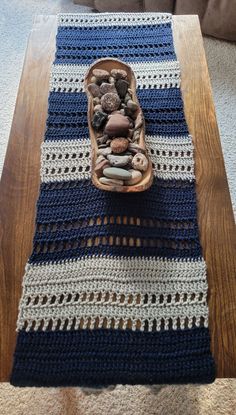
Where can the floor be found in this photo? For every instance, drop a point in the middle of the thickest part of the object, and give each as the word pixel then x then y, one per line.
pixel 216 399
pixel 219 398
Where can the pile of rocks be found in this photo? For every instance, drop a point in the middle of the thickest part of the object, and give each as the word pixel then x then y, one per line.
pixel 117 122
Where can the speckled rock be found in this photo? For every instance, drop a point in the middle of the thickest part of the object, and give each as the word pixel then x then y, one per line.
pixel 101 74
pixel 110 102
pixel 118 161
pixel 136 177
pixel 119 145
pixel 94 90
pixel 122 87
pixel 105 88
pixel 117 173
pixel 99 119
pixel 106 180
pixel 119 73
pixel 140 162
pixel 117 126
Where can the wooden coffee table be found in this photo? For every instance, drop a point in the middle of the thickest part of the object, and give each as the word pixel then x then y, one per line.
pixel 20 186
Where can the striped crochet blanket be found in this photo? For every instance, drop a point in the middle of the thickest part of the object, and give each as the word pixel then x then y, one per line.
pixel 115 288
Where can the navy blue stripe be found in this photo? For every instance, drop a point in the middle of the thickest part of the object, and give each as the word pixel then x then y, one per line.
pixel 168 200
pixel 80 201
pixel 83 47
pixel 61 245
pixel 163 111
pixel 130 231
pixel 67 116
pixel 66 33
pixel 106 356
pixel 162 108
pixel 71 104
pixel 64 250
pixel 86 41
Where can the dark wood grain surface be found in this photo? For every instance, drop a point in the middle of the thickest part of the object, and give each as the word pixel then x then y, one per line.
pixel 20 185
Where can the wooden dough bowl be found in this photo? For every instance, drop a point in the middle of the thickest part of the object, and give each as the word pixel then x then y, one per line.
pixel 108 64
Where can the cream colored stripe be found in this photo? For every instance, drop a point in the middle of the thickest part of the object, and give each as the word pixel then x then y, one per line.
pixel 101 283
pixel 104 287
pixel 65 160
pixel 70 160
pixel 112 19
pixel 194 313
pixel 140 269
pixel 172 157
pixel 164 74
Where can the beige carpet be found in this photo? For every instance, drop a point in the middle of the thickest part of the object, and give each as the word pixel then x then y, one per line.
pixel 219 398
pixel 216 399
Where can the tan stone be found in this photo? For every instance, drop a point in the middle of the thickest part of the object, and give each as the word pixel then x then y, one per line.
pixel 119 145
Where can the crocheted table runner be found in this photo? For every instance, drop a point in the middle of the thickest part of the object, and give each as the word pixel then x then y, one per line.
pixel 115 289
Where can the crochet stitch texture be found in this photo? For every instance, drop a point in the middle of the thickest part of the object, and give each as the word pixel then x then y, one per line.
pixel 115 290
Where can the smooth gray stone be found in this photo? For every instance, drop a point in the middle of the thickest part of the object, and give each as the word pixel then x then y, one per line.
pixel 118 161
pixel 104 151
pixel 106 180
pixel 117 173
pixel 136 177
